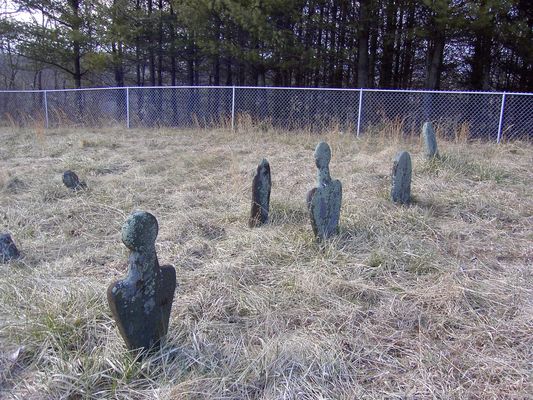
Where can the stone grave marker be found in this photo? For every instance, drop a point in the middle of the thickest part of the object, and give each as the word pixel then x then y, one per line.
pixel 401 178
pixel 141 302
pixel 8 250
pixel 71 180
pixel 430 141
pixel 324 201
pixel 261 186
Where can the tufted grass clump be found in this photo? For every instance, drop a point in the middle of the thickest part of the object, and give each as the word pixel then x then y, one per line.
pixel 429 300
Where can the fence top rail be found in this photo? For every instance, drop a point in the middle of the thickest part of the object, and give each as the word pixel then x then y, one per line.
pixel 375 90
pixel 60 90
pixel 407 91
pixel 22 91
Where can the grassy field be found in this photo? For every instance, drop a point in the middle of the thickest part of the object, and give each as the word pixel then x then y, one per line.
pixel 433 300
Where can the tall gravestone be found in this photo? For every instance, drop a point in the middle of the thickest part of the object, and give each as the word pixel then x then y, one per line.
pixel 401 178
pixel 141 302
pixel 261 186
pixel 71 180
pixel 430 141
pixel 324 201
pixel 8 250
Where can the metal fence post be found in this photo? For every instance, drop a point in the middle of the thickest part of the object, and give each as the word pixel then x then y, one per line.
pixel 359 112
pixel 500 124
pixel 45 110
pixel 233 108
pixel 128 107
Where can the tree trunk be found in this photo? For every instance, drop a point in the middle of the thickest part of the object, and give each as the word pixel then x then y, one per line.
pixel 319 45
pixel 171 29
pixel 151 55
pixel 385 75
pixel 374 35
pixel 408 50
pixel 479 78
pixel 435 58
pixel 333 37
pixel 216 57
pixel 481 59
pixel 190 71
pixel 118 68
pixel 339 63
pixel 399 38
pixel 160 46
pixel 229 72
pixel 363 34
pixel 76 46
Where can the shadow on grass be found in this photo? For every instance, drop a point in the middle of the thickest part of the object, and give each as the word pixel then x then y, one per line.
pixel 352 233
pixel 472 169
pixel 288 213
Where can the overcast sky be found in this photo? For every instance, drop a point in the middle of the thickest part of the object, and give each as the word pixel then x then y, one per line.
pixel 9 9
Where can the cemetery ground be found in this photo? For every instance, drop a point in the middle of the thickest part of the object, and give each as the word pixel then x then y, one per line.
pixel 430 300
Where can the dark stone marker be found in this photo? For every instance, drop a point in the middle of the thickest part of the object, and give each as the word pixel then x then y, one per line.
pixel 71 180
pixel 430 141
pixel 260 195
pixel 141 302
pixel 8 250
pixel 401 178
pixel 324 201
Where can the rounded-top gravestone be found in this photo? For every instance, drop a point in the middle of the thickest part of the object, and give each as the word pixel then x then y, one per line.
pixel 324 201
pixel 430 141
pixel 401 178
pixel 261 187
pixel 141 302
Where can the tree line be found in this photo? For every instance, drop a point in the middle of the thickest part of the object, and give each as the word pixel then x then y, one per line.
pixel 432 44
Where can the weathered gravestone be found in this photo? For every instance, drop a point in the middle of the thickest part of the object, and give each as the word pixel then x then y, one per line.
pixel 261 186
pixel 71 180
pixel 401 178
pixel 141 302
pixel 8 250
pixel 324 201
pixel 430 141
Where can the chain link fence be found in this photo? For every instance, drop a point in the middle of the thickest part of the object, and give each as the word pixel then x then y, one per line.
pixel 474 115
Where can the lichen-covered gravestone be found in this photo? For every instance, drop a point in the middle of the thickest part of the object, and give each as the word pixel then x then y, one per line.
pixel 324 201
pixel 8 250
pixel 71 180
pixel 141 302
pixel 261 186
pixel 430 141
pixel 401 178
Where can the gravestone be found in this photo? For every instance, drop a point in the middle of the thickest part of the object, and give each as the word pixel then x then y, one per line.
pixel 261 186
pixel 430 141
pixel 141 302
pixel 324 201
pixel 8 250
pixel 401 178
pixel 71 180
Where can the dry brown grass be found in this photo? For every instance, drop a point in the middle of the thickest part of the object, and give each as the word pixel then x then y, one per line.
pixel 433 300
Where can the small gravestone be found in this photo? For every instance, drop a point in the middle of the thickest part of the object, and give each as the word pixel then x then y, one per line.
pixel 71 180
pixel 401 178
pixel 324 201
pixel 430 141
pixel 260 195
pixel 8 250
pixel 141 302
